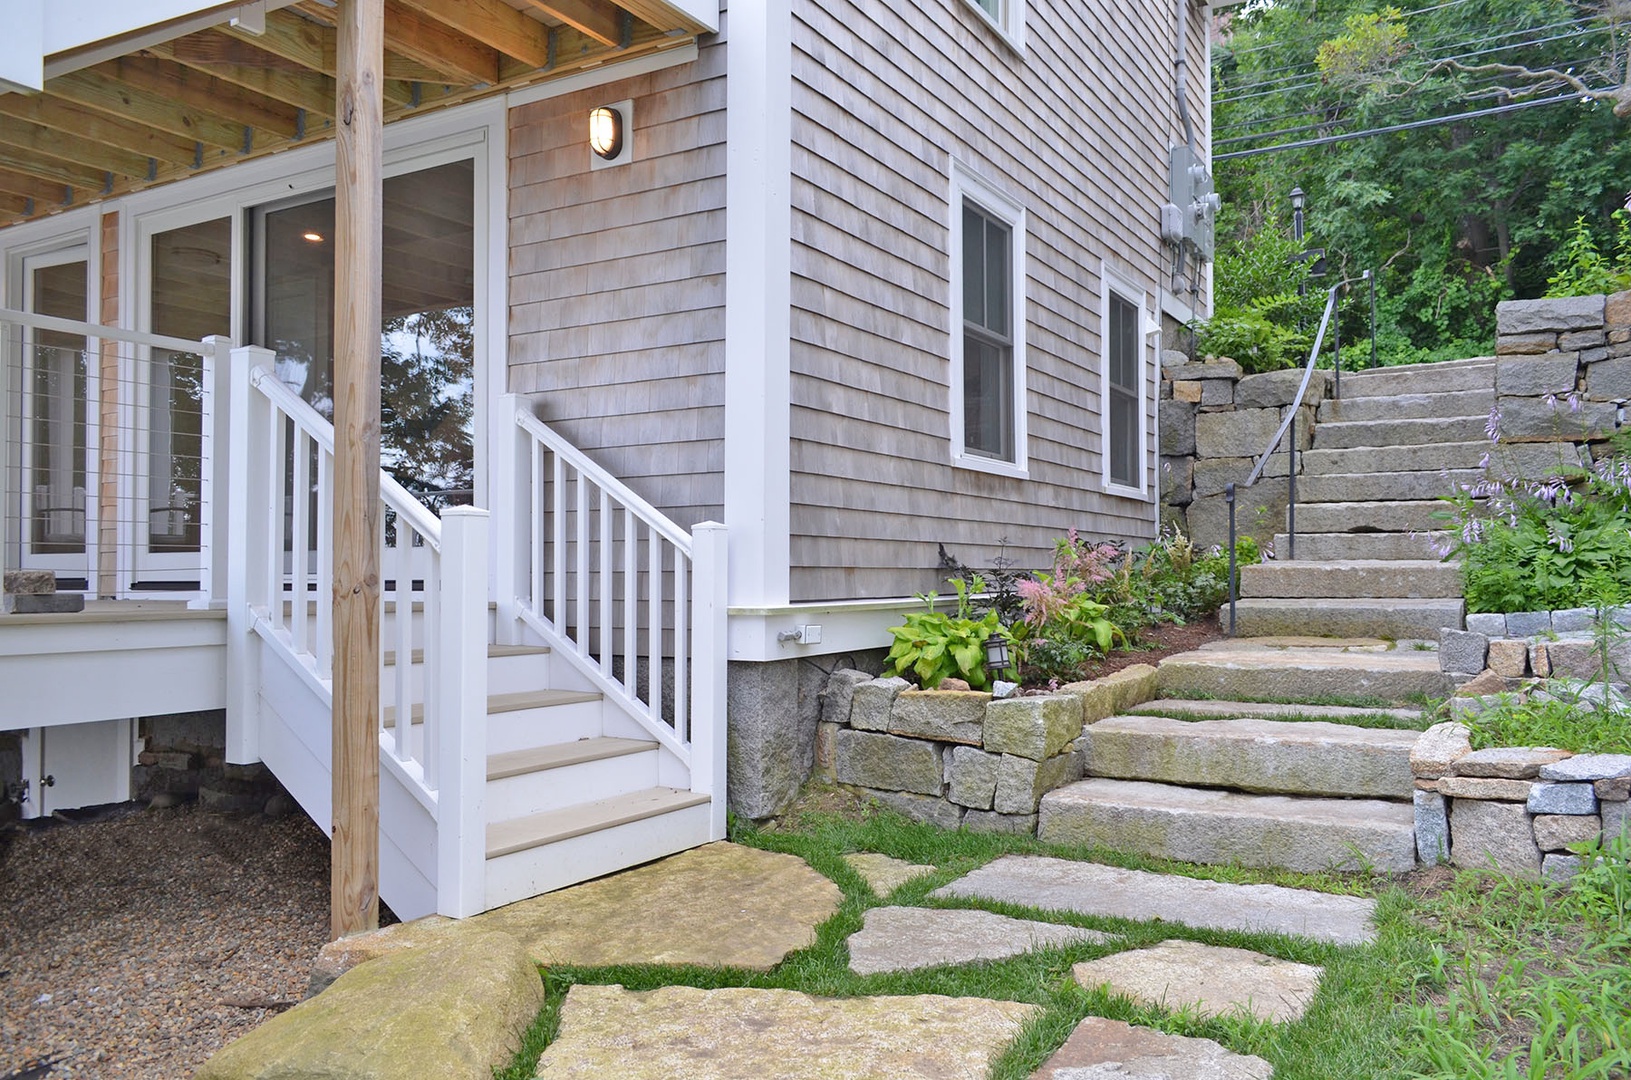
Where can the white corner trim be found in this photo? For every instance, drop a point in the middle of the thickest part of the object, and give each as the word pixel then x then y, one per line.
pixel 968 185
pixel 1112 282
pixel 683 52
pixel 758 298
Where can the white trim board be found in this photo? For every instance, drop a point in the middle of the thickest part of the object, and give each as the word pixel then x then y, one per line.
pixel 682 53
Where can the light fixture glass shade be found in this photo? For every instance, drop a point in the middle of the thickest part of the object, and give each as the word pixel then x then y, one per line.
pixel 996 654
pixel 1297 198
pixel 606 132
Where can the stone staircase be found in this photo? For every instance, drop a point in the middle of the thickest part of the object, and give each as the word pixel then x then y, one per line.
pixel 1203 775
pixel 1367 493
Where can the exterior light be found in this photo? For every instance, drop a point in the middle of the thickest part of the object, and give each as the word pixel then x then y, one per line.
pixel 1299 199
pixel 313 237
pixel 996 654
pixel 606 132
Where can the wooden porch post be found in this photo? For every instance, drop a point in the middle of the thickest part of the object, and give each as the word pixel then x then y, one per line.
pixel 354 885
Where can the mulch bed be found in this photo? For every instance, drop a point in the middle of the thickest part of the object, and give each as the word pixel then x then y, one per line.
pixel 1157 643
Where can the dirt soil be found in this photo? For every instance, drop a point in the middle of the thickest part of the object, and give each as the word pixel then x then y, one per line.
pixel 139 944
pixel 1157 642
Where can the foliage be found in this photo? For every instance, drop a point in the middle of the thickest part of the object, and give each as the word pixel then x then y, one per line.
pixel 932 646
pixel 1258 319
pixel 1453 217
pixel 1537 545
pixel 427 410
pixel 1566 721
pixel 1582 270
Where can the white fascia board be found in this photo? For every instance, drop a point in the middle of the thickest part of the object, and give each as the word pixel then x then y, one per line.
pixel 847 626
pixel 79 33
pixel 702 12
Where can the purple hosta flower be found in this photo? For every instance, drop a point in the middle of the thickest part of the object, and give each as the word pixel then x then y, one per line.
pixel 1441 546
pixel 1483 462
pixel 1551 402
pixel 1558 540
pixel 1472 532
pixel 1492 426
pixel 1574 401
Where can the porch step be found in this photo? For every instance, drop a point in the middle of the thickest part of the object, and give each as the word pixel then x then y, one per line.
pixel 1527 459
pixel 1475 373
pixel 1212 709
pixel 1329 435
pixel 521 783
pixel 1351 579
pixel 510 669
pixel 1228 828
pixel 1383 487
pixel 1390 516
pixel 1247 670
pixel 1260 756
pixel 538 853
pixel 507 703
pixel 1423 406
pixel 1398 619
pixel 1359 545
pixel 494 652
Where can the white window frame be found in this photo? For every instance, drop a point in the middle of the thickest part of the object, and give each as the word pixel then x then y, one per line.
pixel 966 185
pixel 1113 283
pixel 1010 25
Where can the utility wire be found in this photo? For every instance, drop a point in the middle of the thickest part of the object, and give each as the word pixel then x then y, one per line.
pixel 1413 125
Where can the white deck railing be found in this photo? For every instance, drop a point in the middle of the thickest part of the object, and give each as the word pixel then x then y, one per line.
pixel 623 593
pixel 434 593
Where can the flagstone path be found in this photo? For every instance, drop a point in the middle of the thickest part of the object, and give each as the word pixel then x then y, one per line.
pixel 905 939
pixel 1102 1049
pixel 883 874
pixel 1092 889
pixel 1206 980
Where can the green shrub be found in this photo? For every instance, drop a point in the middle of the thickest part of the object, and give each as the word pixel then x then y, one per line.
pixel 1583 270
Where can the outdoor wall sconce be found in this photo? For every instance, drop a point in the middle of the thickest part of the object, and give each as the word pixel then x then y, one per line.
pixel 606 132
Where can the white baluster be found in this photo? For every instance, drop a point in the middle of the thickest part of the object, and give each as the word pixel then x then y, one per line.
pixel 709 551
pixel 325 565
pixel 300 493
pixel 631 601
pixel 654 629
pixel 605 583
pixel 580 560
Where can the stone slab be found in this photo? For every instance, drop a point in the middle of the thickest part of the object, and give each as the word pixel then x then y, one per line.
pixel 1556 867
pixel 1095 889
pixel 883 874
pixel 838 696
pixel 1509 657
pixel 719 905
pixel 678 1032
pixel 1021 782
pixel 906 939
pixel 30 582
pixel 1498 834
pixel 1206 980
pixel 1490 624
pixel 1432 827
pixel 955 716
pixel 1616 790
pixel 1114 693
pixel 926 808
pixel 1484 788
pixel 1550 797
pixel 1243 674
pixel 455 1009
pixel 989 821
pixel 1555 832
pixel 54 603
pixel 1557 314
pixel 1616 819
pixel 889 762
pixel 1584 767
pixel 1202 825
pixel 1033 727
pixel 1508 762
pixel 971 777
pixel 1536 376
pixel 1439 747
pixel 873 700
pixel 1246 754
pixel 1462 651
pixel 1352 579
pixel 1273 389
pixel 1212 709
pixel 1101 1049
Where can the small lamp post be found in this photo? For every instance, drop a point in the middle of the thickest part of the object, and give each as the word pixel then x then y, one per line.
pixel 996 654
pixel 1299 200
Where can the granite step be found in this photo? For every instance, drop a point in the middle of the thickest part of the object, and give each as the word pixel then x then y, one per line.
pixel 1386 516
pixel 1525 459
pixel 1240 670
pixel 1360 545
pixel 1383 487
pixel 1201 825
pixel 1424 406
pixel 1474 373
pixel 1339 435
pixel 1350 579
pixel 1395 618
pixel 1213 709
pixel 1264 757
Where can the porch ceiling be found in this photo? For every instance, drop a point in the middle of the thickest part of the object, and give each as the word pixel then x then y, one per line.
pixel 112 121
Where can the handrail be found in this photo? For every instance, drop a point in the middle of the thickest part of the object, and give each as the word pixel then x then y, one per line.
pixel 604 480
pixel 1302 388
pixel 102 333
pixel 298 409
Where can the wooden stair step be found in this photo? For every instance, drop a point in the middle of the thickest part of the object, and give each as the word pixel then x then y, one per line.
pixel 494 652
pixel 560 755
pixel 502 703
pixel 552 826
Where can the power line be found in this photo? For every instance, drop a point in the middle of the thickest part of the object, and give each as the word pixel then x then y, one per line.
pixel 1413 125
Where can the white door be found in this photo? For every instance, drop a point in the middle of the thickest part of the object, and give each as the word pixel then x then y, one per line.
pixel 57 475
pixel 73 765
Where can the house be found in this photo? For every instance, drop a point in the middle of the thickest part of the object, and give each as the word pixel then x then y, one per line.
pixel 725 320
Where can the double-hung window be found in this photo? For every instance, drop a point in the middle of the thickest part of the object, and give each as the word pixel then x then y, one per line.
pixel 1007 16
pixel 1124 378
pixel 988 346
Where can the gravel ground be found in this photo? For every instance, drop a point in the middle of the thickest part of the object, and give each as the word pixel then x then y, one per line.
pixel 138 945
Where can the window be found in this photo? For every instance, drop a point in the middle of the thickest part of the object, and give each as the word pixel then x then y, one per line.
pixel 1006 16
pixel 1123 392
pixel 988 320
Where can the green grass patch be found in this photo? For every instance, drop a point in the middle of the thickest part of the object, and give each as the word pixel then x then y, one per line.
pixel 1349 701
pixel 1581 727
pixel 1381 720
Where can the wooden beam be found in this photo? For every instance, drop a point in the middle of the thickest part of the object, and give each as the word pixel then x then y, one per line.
pixel 276 78
pixel 663 16
pixel 429 41
pixel 66 116
pixel 598 19
pixel 204 93
pixel 43 192
pixel 309 44
pixel 56 171
pixel 23 134
pixel 358 201
pixel 494 24
pixel 130 103
pixel 14 205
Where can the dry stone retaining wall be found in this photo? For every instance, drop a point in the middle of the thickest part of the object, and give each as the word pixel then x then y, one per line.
pixel 961 758
pixel 1563 369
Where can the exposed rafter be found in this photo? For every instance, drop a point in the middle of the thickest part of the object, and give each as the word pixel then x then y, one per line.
pixel 596 18
pixel 439 46
pixel 494 24
pixel 38 140
pixel 254 70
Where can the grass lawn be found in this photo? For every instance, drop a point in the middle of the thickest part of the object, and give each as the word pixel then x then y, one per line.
pixel 1472 973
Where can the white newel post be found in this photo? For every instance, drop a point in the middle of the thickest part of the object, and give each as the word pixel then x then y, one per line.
pixel 213 476
pixel 460 651
pixel 512 497
pixel 249 501
pixel 710 586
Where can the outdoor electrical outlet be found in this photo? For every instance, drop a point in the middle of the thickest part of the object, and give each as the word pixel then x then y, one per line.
pixel 810 635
